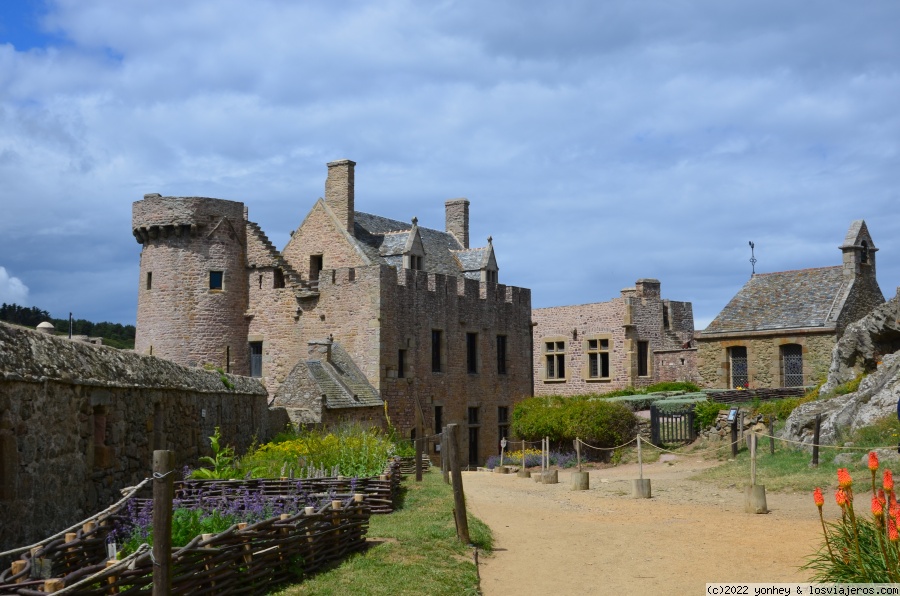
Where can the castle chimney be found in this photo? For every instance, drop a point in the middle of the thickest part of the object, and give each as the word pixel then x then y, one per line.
pixel 458 220
pixel 339 191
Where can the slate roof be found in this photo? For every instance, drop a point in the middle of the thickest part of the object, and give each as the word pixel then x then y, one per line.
pixel 340 380
pixel 382 239
pixel 784 300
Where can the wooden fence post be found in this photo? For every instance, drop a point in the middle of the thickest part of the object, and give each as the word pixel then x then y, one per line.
pixel 818 428
pixel 459 497
pixel 772 435
pixel 163 492
pixel 445 457
pixel 418 459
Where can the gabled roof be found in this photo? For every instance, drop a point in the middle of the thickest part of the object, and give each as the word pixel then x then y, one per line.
pixel 383 240
pixel 341 381
pixel 784 300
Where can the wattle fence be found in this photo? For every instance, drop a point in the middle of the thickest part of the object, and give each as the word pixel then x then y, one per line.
pixel 323 521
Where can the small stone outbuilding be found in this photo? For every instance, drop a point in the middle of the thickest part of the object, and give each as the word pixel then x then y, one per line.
pixel 780 328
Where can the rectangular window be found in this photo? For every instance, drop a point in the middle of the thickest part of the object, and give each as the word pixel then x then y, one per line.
pixel 643 358
pixel 555 360
pixel 598 358
pixel 473 436
pixel 316 264
pixel 401 364
pixel 436 340
pixel 472 353
pixel 792 365
pixel 278 279
pixel 502 423
pixel 415 262
pixel 438 419
pixel 256 351
pixel 216 279
pixel 149 280
pixel 737 357
pixel 501 354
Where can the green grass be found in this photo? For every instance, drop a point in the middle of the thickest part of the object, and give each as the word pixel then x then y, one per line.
pixel 415 550
pixel 789 469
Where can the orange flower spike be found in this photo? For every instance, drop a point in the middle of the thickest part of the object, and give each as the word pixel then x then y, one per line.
pixel 877 507
pixel 818 498
pixel 892 530
pixel 881 497
pixel 844 479
pixel 888 481
pixel 840 497
pixel 873 461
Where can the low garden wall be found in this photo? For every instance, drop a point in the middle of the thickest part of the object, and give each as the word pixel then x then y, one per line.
pixel 317 521
pixel 79 422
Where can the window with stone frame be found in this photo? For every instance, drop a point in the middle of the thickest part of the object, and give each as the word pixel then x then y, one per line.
pixel 437 340
pixel 149 280
pixel 501 354
pixel 472 353
pixel 502 424
pixel 490 275
pixel 415 262
pixel 597 350
pixel 737 359
pixel 791 365
pixel 216 280
pixel 256 359
pixel 643 359
pixel 278 278
pixel 554 359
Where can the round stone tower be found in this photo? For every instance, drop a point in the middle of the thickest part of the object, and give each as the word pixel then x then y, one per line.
pixel 193 282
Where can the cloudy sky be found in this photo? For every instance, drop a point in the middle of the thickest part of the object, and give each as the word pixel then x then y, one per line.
pixel 598 142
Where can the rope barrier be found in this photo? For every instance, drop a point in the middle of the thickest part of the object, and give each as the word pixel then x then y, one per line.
pixel 608 448
pixel 821 445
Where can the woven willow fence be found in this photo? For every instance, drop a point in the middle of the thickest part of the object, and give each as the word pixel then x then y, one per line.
pixel 245 559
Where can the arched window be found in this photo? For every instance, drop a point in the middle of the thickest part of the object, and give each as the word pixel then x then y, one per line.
pixel 791 365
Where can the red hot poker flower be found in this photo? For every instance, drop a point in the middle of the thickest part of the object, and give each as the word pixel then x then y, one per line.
pixel 873 461
pixel 881 497
pixel 818 498
pixel 844 479
pixel 892 530
pixel 840 497
pixel 888 480
pixel 877 507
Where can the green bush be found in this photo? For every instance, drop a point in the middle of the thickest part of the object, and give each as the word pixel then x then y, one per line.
pixel 705 413
pixel 600 422
pixel 850 386
pixel 673 386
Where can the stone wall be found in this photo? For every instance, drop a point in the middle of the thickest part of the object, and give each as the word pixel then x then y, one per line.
pixel 414 303
pixel 764 358
pixel 638 315
pixel 79 422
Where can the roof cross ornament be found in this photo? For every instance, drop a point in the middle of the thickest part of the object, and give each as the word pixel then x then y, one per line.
pixel 752 259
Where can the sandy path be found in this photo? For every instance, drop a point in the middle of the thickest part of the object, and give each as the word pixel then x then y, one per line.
pixel 553 540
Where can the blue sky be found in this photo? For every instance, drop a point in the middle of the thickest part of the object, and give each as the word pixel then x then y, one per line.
pixel 598 143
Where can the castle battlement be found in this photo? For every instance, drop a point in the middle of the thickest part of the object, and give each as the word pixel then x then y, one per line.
pixel 157 216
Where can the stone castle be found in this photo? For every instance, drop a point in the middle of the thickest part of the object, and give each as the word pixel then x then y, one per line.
pixel 359 316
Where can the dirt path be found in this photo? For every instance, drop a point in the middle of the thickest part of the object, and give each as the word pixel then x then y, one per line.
pixel 550 539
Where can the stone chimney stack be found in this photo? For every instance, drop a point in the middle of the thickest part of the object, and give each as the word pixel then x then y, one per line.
pixel 339 191
pixel 458 220
pixel 319 349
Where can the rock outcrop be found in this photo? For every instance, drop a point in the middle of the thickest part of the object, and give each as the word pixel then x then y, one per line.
pixel 872 345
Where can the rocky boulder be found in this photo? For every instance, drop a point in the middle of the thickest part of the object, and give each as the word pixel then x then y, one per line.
pixel 870 344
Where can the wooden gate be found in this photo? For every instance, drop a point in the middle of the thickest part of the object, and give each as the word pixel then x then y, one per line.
pixel 672 426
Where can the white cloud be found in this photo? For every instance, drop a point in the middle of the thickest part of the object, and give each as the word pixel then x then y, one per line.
pixel 12 290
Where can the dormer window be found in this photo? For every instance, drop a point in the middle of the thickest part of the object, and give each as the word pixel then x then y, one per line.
pixel 416 262
pixel 490 276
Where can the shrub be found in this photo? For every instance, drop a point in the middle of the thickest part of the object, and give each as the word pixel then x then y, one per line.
pixel 600 422
pixel 673 386
pixel 705 414
pixel 850 386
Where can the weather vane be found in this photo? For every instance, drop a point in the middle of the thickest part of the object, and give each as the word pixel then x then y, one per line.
pixel 752 258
